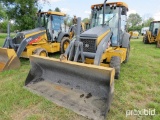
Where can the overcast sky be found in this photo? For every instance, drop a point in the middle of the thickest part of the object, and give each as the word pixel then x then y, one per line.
pixel 81 8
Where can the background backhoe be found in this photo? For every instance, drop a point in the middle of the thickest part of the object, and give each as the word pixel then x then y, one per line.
pixel 83 78
pixel 153 34
pixel 49 36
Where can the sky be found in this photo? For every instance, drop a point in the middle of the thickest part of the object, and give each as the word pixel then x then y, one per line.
pixel 82 8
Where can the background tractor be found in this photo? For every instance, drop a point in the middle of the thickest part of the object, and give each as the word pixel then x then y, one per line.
pixel 49 36
pixel 153 34
pixel 135 34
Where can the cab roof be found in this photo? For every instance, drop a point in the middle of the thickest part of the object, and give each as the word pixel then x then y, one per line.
pixel 54 13
pixel 119 4
pixel 156 21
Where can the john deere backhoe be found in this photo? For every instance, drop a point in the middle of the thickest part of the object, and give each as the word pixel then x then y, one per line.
pixel 83 78
pixel 153 35
pixel 50 36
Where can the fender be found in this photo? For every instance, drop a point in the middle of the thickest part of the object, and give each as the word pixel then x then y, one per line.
pixel 61 35
pixel 125 40
pixel 25 42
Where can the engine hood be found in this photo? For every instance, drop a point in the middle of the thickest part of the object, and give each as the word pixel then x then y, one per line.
pixel 27 33
pixel 95 32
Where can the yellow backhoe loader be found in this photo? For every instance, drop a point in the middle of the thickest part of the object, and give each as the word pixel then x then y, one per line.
pixel 48 37
pixel 135 34
pixel 153 34
pixel 83 78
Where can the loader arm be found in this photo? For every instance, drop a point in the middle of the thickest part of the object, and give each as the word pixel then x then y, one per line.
pixel 25 42
pixel 9 58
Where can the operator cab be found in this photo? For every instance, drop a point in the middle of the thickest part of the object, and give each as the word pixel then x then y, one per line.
pixel 115 16
pixel 53 22
pixel 154 27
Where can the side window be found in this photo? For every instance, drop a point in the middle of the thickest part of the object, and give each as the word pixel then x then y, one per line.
pixel 151 27
pixel 123 22
pixel 63 26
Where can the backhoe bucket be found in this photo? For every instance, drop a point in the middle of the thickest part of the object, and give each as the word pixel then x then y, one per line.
pixel 82 88
pixel 8 59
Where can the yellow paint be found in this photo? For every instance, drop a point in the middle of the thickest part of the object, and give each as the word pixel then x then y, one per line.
pixel 49 47
pixel 151 38
pixel 102 36
pixel 104 65
pixel 34 33
pixel 119 4
pixel 54 13
pixel 43 54
pixel 74 63
pixel 121 52
pixel 112 51
pixel 158 36
pixel 134 34
pixel 110 71
pixel 107 55
pixel 89 61
pixel 66 44
pixel 7 56
pixel 7 52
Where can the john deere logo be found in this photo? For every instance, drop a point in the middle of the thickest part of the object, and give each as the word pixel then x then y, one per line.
pixel 86 45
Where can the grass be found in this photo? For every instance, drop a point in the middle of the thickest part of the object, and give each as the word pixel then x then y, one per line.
pixel 137 88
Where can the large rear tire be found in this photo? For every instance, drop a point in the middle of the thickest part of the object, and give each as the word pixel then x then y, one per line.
pixel 64 44
pixel 115 63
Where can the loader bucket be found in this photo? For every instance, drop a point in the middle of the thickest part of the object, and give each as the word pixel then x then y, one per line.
pixel 8 59
pixel 82 88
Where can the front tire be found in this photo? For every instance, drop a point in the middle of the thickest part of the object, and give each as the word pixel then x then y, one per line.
pixel 127 54
pixel 41 52
pixel 158 44
pixel 64 44
pixel 145 39
pixel 115 63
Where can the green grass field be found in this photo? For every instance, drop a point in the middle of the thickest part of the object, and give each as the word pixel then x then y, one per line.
pixel 138 88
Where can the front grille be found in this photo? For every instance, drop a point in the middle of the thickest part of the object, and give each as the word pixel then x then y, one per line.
pixel 89 45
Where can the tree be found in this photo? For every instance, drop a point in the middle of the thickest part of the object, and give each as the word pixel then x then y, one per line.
pixel 57 9
pixel 2 12
pixel 86 20
pixel 3 26
pixel 135 28
pixel 22 11
pixel 50 10
pixel 134 20
pixel 147 22
pixel 68 20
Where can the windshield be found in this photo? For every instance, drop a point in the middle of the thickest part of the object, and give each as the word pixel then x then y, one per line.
pixel 157 25
pixel 57 23
pixel 154 27
pixel 111 17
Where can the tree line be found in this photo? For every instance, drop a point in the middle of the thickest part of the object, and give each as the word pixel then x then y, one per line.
pixel 136 22
pixel 22 13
